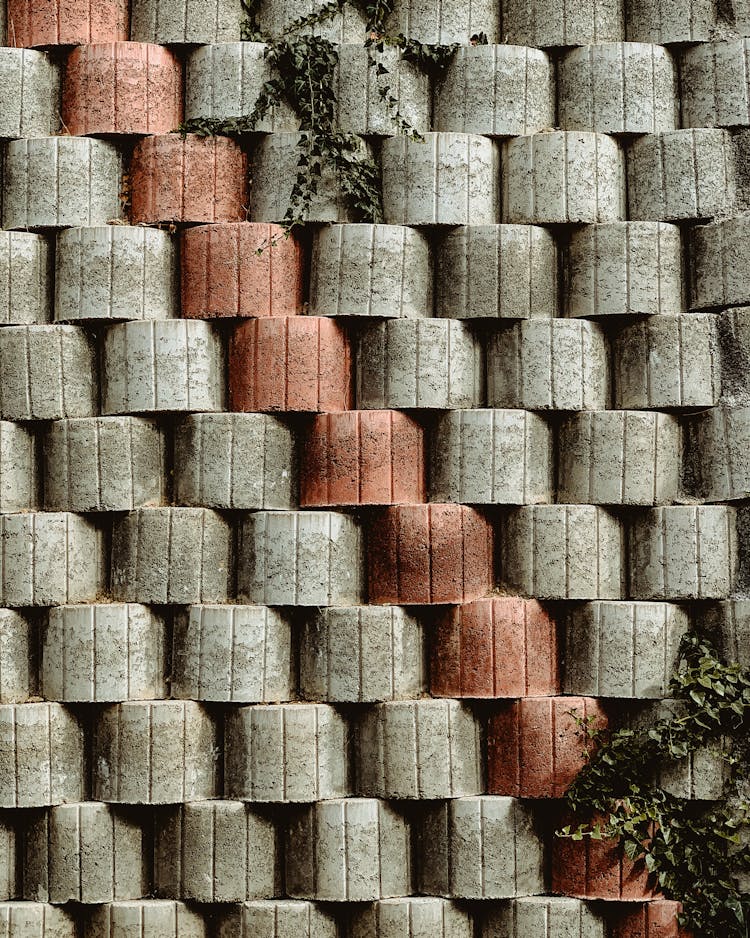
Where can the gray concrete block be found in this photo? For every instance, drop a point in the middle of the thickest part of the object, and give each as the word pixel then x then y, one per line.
pixel 19 482
pixel 667 362
pixel 26 278
pixel 348 850
pixel 718 257
pixel 277 918
pixel 168 365
pixel 30 90
pixel 424 363
pixel 241 654
pixel 295 752
pixel 50 558
pixel 734 346
pixel 37 920
pixel 624 268
pixel 413 917
pixel 553 364
pixel 680 174
pixel 371 270
pixel 185 21
pixel 482 847
pixel 17 666
pixel 49 372
pixel 622 649
pixel 619 457
pixel 542 917
pixel 112 272
pixel 235 461
pixel 144 918
pixel 300 558
pixel 154 752
pixel 499 91
pixel 445 21
pixel 104 464
pixel 9 867
pixel 717 454
pixel 42 756
pixel 426 749
pixel 518 279
pixel 618 88
pixel 215 851
pixel 715 88
pixel 103 652
pixel 358 654
pixel 59 182
pixel 445 179
pixel 670 23
pixel 224 80
pixel 683 552
pixel 171 555
pixel 562 22
pixel 86 852
pixel 563 552
pixel 492 457
pixel 347 26
pixel 727 625
pixel 563 177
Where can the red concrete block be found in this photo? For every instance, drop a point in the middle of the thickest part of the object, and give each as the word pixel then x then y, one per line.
pixel 122 88
pixel 495 647
pixel 298 363
pixel 66 22
pixel 363 457
pixel 241 269
pixel 191 179
pixel 597 869
pixel 657 919
pixel 535 747
pixel 429 554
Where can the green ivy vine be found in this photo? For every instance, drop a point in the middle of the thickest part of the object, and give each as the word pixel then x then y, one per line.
pixel 696 851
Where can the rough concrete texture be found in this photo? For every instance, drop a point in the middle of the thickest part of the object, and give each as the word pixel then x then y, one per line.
pixel 348 850
pixel 346 26
pixel 427 749
pixel 728 624
pixel 30 88
pixel 17 677
pixel 445 179
pixel 417 917
pixel 361 654
pixel 19 482
pixel 718 256
pixel 563 178
pixel 240 269
pixel 543 917
pixel 154 752
pixel 114 272
pixel 499 91
pixel 371 270
pixel 715 87
pixel 122 88
pixel 624 268
pixel 734 347
pixel 235 461
pixel 171 555
pixel 58 182
pixel 103 652
pixel 425 364
pixel 445 21
pixel 518 265
pixel 25 278
pixel 241 654
pixel 619 457
pixel 300 558
pixel 51 23
pixel 147 918
pixel 104 464
pixel 87 852
pixel 8 861
pixel 24 919
pixel 195 21
pixel 554 364
pixel 562 22
pixel 716 453
pixel 673 23
pixel 215 851
pixel 162 365
pixel 495 647
pixel 362 457
pixel 480 848
pixel 622 649
pixel 655 919
pixel 491 457
pixel 618 88
pixel 277 918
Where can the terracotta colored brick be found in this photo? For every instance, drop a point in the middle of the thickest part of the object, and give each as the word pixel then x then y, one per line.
pixel 363 457
pixel 241 269
pixel 657 919
pixel 195 179
pixel 535 747
pixel 597 869
pixel 299 363
pixel 122 88
pixel 429 554
pixel 66 22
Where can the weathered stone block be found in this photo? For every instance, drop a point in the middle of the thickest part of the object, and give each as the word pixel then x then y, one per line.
pixel 30 87
pixel 32 919
pixel 17 669
pixel 672 23
pixel 542 917
pixel 715 89
pixel 417 917
pixel 183 22
pixel 277 918
pixel 445 21
pixel 147 918
pixel 19 482
pixel 562 22
pixel 26 277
